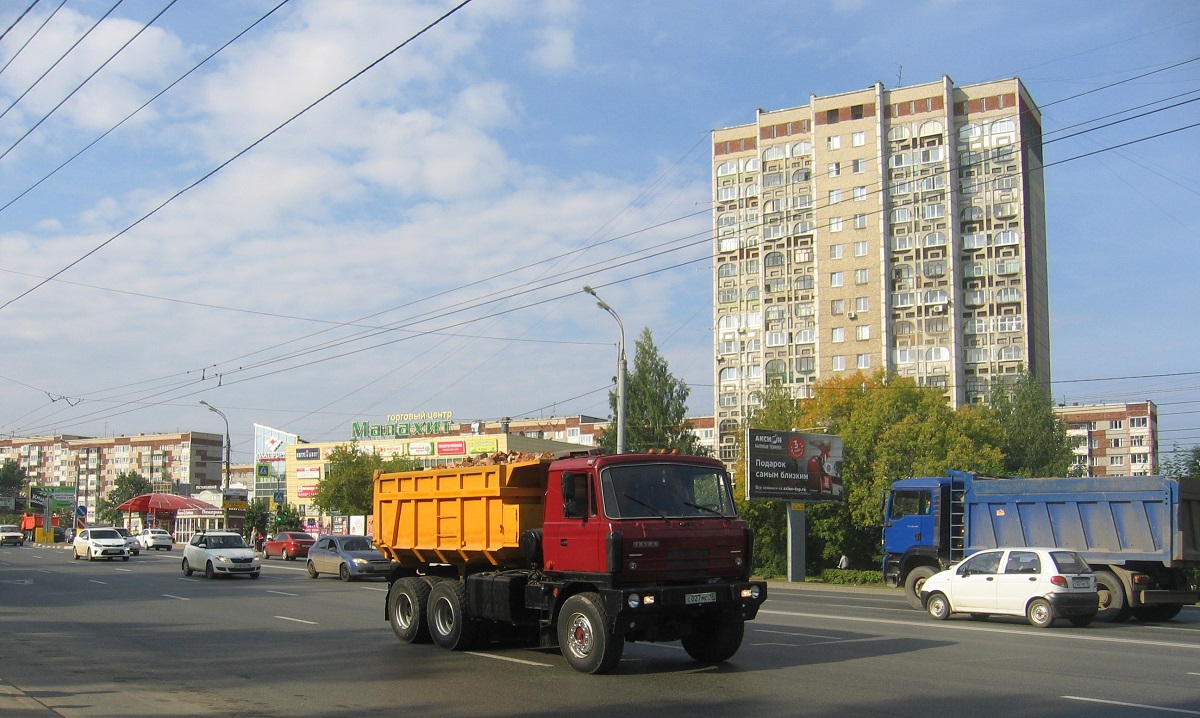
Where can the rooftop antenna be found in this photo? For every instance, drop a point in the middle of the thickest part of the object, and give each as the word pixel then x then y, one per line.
pixel 900 75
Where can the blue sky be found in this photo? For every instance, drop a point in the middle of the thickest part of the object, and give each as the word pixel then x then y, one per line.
pixel 417 240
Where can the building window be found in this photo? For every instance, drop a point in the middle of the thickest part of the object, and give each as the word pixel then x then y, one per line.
pixel 934 239
pixel 801 176
pixel 728 400
pixel 837 306
pixel 837 335
pixel 839 363
pixel 937 354
pixel 729 373
pixel 1139 422
pixel 863 361
pixel 835 196
pixel 835 224
pixel 860 221
pixel 727 168
pixel 860 248
pixel 834 142
pixel 858 139
pixel 803 147
pixel 902 242
pixel 728 346
pixel 935 268
pixel 806 336
pixel 903 299
pixel 727 295
pixel 936 296
pixel 806 365
pixel 1114 443
pixel 837 279
pixel 862 304
pixel 860 194
pixel 904 356
pixel 862 332
pixel 933 154
pixel 803 282
pixel 1006 238
pixel 777 339
pixel 861 276
pixel 901 214
pixel 933 211
pixel 1116 424
pixel 1010 353
pixel 1139 458
pixel 724 194
pixel 1116 461
pixel 773 259
pixel 858 166
pixel 836 251
pixel 772 153
pixel 727 269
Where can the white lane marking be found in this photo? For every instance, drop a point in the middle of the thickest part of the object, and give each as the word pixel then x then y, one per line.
pixel 1193 674
pixel 297 620
pixel 957 626
pixel 506 658
pixel 374 588
pixel 126 570
pixel 42 570
pixel 806 635
pixel 102 583
pixel 284 593
pixel 181 598
pixel 1133 705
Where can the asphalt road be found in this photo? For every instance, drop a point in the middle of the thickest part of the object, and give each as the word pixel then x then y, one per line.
pixel 137 638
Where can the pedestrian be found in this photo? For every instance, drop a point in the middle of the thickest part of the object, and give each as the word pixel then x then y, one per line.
pixel 844 562
pixel 258 541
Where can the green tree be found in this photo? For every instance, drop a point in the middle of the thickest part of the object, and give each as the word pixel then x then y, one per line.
pixel 655 406
pixel 126 486
pixel 1182 462
pixel 286 518
pixel 891 429
pixel 1036 443
pixel 348 486
pixel 12 478
pixel 258 518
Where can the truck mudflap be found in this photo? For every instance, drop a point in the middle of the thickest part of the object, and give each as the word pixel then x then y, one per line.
pixel 1155 597
pixel 632 606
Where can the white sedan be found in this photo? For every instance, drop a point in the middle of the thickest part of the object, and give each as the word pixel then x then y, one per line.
pixel 156 539
pixel 99 543
pixel 220 553
pixel 1041 584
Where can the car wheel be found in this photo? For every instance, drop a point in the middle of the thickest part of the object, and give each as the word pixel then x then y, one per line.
pixel 914 582
pixel 187 568
pixel 1040 613
pixel 209 571
pixel 90 556
pixel 1082 621
pixel 312 570
pixel 254 575
pixel 938 606
pixel 74 554
pixel 344 572
pixel 286 557
pixel 126 558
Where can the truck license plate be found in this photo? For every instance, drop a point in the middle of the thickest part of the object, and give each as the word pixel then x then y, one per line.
pixel 709 597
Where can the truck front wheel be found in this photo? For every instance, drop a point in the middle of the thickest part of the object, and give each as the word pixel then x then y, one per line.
pixel 1112 598
pixel 449 625
pixel 715 639
pixel 583 635
pixel 914 582
pixel 407 604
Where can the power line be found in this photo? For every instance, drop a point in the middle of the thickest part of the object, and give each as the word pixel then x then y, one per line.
pixel 32 36
pixel 19 19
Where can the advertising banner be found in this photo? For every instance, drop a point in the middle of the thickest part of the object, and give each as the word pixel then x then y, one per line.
pixel 451 448
pixel 482 446
pixel 793 466
pixel 308 454
pixel 420 448
pixel 306 492
pixel 308 472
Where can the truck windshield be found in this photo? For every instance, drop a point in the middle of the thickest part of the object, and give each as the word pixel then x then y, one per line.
pixel 665 490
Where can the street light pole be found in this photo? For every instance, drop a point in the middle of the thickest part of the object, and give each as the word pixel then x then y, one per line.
pixel 621 367
pixel 228 445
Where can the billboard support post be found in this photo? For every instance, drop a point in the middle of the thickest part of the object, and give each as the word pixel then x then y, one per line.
pixel 797 533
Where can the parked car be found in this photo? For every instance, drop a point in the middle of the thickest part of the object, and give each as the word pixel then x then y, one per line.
pixel 349 557
pixel 11 534
pixel 131 541
pixel 156 539
pixel 288 545
pixel 219 553
pixel 1041 584
pixel 99 543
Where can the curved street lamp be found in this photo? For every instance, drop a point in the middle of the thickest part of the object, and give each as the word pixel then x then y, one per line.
pixel 621 367
pixel 228 445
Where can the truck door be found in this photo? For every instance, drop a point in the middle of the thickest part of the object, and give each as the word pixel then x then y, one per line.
pixel 910 521
pixel 573 537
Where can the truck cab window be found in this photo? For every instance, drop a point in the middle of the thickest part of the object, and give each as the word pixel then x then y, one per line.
pixel 578 502
pixel 910 503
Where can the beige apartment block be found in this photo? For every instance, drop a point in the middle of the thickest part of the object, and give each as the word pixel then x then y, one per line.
pixel 899 229
pixel 1114 439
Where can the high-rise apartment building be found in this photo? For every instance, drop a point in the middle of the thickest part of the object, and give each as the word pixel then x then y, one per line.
pixel 897 229
pixel 1114 439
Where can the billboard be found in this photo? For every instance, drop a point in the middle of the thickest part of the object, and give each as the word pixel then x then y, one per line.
pixel 793 466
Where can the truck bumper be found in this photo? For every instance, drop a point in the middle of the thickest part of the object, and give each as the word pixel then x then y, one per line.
pixel 1156 597
pixel 640 607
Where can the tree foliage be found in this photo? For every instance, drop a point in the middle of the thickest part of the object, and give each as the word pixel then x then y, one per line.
pixel 1182 462
pixel 349 482
pixel 126 486
pixel 1035 443
pixel 286 518
pixel 12 478
pixel 891 429
pixel 655 406
pixel 258 518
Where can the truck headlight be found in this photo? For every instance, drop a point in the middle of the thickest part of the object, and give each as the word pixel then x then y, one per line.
pixel 634 600
pixel 751 592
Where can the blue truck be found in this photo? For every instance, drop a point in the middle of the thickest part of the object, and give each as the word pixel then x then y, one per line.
pixel 1140 534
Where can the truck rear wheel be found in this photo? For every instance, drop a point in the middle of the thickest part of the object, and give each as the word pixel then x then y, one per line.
pixel 407 604
pixel 449 625
pixel 715 639
pixel 1157 612
pixel 1112 598
pixel 583 635
pixel 914 582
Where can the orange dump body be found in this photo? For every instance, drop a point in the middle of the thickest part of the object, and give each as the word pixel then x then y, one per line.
pixel 456 516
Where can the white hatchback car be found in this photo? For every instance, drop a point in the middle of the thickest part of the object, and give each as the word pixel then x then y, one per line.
pixel 10 533
pixel 1041 584
pixel 156 539
pixel 220 553
pixel 99 543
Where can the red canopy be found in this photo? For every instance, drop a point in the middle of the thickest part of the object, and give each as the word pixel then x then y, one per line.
pixel 156 503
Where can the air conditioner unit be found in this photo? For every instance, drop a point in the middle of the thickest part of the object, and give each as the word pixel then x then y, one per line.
pixel 938 309
pixel 852 316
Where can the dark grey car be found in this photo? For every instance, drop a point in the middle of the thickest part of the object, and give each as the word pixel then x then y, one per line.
pixel 349 557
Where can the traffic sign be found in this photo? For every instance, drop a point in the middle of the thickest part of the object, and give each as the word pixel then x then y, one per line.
pixel 81 511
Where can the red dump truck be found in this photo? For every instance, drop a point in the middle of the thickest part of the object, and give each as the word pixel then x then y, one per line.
pixel 589 552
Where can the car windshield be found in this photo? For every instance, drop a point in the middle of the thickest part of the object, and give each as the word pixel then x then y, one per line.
pixel 8 529
pixel 1070 562
pixel 124 532
pixel 105 534
pixel 226 542
pixel 357 544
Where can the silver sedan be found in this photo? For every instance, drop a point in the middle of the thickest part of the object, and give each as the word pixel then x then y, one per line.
pixel 348 557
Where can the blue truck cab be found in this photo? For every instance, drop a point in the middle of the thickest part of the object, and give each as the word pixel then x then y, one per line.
pixel 1140 534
